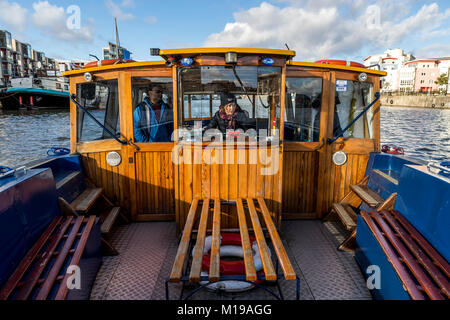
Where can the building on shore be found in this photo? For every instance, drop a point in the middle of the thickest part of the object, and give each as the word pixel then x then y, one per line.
pixel 20 60
pixel 391 61
pixel 110 52
pixel 405 73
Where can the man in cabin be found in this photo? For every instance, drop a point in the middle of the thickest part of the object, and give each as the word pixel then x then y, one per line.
pixel 153 118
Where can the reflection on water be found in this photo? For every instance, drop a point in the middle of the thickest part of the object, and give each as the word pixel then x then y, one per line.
pixel 423 133
pixel 26 135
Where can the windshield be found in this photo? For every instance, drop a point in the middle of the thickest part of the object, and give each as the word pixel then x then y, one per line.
pixel 229 99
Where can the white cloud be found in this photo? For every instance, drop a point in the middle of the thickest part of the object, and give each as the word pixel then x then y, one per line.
pixel 13 15
pixel 150 20
pixel 320 29
pixel 435 50
pixel 117 12
pixel 53 21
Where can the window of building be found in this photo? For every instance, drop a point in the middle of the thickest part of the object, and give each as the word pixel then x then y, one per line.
pixel 302 111
pixel 351 98
pixel 152 109
pixel 101 98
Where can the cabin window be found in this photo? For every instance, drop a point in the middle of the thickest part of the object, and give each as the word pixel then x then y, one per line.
pixel 303 106
pixel 239 100
pixel 350 100
pixel 152 109
pixel 101 99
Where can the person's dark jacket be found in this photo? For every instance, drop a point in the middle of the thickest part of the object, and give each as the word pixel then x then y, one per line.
pixel 241 120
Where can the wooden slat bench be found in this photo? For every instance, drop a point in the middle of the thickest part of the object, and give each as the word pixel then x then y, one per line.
pixel 182 272
pixel 423 271
pixel 42 273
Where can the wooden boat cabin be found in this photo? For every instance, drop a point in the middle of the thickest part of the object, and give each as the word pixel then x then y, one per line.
pixel 281 153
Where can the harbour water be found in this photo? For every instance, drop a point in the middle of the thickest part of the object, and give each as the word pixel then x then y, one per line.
pixel 26 135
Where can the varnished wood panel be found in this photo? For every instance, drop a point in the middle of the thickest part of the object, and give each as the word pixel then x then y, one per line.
pixel 300 172
pixel 228 174
pixel 154 183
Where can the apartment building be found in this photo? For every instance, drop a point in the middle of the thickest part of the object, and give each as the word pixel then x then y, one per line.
pixel 110 52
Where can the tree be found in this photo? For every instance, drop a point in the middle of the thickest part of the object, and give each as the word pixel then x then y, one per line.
pixel 442 80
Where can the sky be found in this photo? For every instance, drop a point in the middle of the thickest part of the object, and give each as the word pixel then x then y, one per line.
pixel 315 29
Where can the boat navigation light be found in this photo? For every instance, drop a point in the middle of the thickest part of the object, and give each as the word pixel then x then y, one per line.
pixel 267 61
pixel 362 77
pixel 170 61
pixel 186 61
pixel 231 58
pixel 88 76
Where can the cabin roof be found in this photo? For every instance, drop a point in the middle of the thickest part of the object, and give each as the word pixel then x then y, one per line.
pixel 259 51
pixel 198 51
pixel 336 67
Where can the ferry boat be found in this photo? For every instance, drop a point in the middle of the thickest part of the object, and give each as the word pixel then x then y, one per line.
pixel 36 93
pixel 218 152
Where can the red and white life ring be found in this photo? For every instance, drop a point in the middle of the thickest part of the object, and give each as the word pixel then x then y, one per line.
pixel 342 63
pixel 231 246
pixel 392 149
pixel 106 62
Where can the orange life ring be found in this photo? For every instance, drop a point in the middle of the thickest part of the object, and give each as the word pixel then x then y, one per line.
pixel 342 63
pixel 106 62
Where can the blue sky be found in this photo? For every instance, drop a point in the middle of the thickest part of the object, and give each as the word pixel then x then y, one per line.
pixel 316 29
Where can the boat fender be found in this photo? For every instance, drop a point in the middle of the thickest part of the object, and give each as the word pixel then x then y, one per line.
pixel 391 102
pixel 392 149
pixel 4 169
pixel 5 172
pixel 57 151
pixel 106 62
pixel 433 105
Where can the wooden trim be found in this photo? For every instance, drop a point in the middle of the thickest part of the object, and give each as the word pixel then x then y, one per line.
pixel 336 67
pixel 98 146
pixel 245 239
pixel 155 146
pixel 63 289
pixel 269 270
pixel 73 119
pixel 286 266
pixel 56 267
pixel 183 247
pixel 175 102
pixel 300 146
pixel 214 267
pixel 393 259
pixel 115 66
pixel 196 267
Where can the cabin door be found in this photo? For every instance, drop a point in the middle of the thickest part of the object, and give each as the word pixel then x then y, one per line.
pixel 149 160
pixel 348 98
pixel 305 133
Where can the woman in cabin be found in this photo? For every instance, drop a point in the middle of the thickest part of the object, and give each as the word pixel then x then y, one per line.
pixel 153 118
pixel 229 116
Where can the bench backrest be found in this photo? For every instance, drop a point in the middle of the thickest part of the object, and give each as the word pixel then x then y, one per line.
pixel 424 200
pixel 27 206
